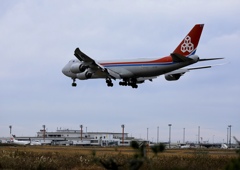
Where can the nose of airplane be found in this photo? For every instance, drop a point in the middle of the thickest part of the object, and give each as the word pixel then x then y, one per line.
pixel 65 70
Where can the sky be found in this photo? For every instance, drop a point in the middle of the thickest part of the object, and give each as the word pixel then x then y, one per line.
pixel 37 38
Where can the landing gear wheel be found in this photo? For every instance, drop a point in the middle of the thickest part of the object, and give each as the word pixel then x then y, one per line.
pixel 135 86
pixel 73 83
pixel 123 83
pixel 109 82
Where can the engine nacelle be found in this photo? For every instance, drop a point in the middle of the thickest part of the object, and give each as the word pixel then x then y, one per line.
pixel 172 77
pixel 77 68
pixel 85 75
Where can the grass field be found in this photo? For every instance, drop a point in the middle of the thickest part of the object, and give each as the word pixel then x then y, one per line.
pixel 76 157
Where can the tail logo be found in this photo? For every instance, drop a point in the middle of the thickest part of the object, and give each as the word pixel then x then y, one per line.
pixel 187 45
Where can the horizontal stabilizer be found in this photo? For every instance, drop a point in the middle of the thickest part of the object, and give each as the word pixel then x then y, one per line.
pixel 202 67
pixel 182 71
pixel 208 59
pixel 199 67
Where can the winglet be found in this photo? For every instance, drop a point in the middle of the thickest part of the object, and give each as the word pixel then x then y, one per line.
pixel 188 45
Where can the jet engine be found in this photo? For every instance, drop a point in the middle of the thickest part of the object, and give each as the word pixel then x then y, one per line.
pixel 77 68
pixel 84 75
pixel 172 77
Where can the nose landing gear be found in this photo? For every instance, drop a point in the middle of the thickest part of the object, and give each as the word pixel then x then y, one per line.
pixel 74 84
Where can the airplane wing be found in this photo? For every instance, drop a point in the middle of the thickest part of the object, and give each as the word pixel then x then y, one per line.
pixel 176 74
pixel 93 65
pixel 87 60
pixel 202 67
pixel 184 70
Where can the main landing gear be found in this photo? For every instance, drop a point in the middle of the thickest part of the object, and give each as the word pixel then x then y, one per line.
pixel 74 84
pixel 127 82
pixel 109 82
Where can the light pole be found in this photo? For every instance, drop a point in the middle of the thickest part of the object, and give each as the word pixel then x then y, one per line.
pixel 169 134
pixel 10 127
pixel 213 138
pixel 227 135
pixel 198 134
pixel 81 126
pixel 157 134
pixel 147 134
pixel 123 126
pixel 230 135
pixel 44 132
pixel 183 135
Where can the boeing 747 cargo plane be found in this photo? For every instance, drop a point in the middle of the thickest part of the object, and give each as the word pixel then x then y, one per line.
pixel 136 71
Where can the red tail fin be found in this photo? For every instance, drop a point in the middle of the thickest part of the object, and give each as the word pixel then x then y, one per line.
pixel 189 44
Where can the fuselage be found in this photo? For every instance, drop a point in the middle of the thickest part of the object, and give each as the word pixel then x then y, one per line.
pixel 135 67
pixel 17 142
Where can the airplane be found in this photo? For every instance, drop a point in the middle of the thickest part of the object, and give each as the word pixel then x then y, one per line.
pixel 17 142
pixel 29 142
pixel 136 71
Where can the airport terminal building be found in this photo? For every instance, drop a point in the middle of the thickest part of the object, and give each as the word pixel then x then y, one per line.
pixel 76 137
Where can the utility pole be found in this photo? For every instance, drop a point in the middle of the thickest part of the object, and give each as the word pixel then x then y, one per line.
pixel 169 134
pixel 157 134
pixel 122 134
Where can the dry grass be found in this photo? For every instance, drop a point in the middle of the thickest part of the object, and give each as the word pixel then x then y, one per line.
pixel 115 150
pixel 72 157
